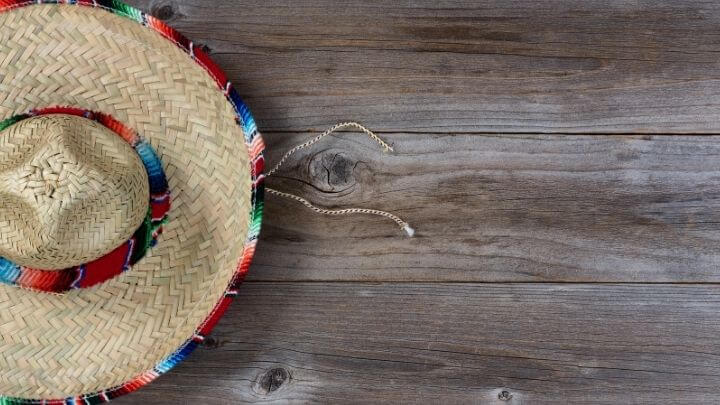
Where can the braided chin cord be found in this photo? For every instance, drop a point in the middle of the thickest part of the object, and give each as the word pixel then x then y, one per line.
pixel 347 211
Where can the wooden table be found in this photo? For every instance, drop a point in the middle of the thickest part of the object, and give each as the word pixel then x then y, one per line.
pixel 557 160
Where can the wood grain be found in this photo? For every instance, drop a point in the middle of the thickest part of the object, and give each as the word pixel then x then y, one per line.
pixel 498 208
pixel 459 343
pixel 522 218
pixel 464 65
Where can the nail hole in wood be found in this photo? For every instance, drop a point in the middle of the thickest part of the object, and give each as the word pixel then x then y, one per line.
pixel 163 12
pixel 206 49
pixel 273 379
pixel 210 343
pixel 505 395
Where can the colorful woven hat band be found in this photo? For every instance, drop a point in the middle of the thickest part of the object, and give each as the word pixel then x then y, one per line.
pixel 130 251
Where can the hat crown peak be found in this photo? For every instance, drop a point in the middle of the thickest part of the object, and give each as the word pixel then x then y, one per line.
pixel 53 167
pixel 70 191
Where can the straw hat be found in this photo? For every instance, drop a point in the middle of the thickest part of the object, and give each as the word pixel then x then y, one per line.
pixel 130 199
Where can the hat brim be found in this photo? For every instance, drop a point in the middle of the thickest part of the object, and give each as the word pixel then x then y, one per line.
pixel 98 343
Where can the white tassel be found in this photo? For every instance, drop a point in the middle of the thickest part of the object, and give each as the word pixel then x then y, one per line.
pixel 408 230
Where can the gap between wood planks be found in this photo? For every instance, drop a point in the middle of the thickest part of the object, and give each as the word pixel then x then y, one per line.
pixel 315 131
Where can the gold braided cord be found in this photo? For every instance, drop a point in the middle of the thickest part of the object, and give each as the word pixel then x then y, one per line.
pixel 331 130
pixel 347 211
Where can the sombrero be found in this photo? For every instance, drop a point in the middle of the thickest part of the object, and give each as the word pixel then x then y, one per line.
pixel 130 199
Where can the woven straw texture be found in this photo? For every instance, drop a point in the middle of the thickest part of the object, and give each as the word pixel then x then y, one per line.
pixel 71 191
pixel 88 340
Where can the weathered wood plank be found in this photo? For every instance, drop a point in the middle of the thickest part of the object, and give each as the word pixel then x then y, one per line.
pixel 443 66
pixel 498 208
pixel 543 344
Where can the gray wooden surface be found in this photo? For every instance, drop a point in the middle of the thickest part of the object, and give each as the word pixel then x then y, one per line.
pixel 558 161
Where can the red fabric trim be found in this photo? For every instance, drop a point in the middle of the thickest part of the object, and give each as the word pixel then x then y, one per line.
pixel 106 267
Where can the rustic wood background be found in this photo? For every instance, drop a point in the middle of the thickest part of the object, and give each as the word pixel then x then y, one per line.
pixel 557 158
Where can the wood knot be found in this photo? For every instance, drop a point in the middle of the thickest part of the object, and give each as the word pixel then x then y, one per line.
pixel 163 12
pixel 333 171
pixel 273 379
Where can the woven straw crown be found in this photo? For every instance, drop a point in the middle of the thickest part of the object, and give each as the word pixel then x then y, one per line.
pixel 70 191
pixel 130 189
